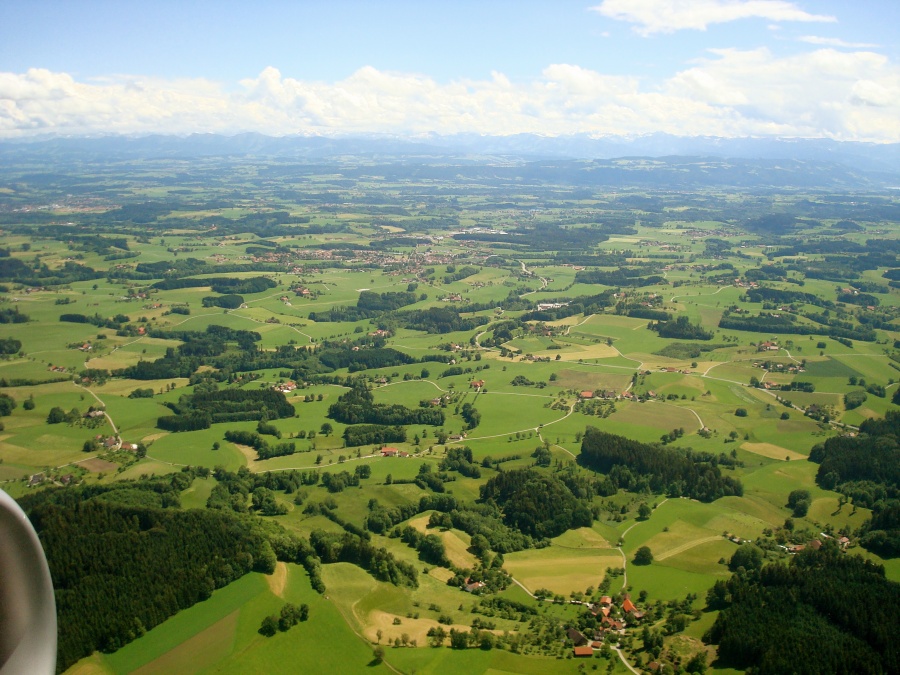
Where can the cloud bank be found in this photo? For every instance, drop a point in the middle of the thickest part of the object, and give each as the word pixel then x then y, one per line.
pixel 826 93
pixel 669 16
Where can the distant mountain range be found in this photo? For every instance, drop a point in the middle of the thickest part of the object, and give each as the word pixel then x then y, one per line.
pixel 677 161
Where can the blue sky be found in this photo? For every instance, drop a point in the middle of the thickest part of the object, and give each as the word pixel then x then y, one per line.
pixel 602 67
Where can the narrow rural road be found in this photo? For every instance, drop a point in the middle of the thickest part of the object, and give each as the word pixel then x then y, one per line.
pixel 625 661
pixel 543 280
pixel 106 414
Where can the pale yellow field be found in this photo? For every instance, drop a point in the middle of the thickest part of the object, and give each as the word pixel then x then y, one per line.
pixel 574 352
pixel 416 629
pixel 278 579
pixel 561 570
pixel 455 543
pixel 89 666
pixel 772 451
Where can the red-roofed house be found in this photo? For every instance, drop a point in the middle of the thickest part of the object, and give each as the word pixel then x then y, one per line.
pixel 628 606
pixel 586 394
pixel 584 651
pixel 389 452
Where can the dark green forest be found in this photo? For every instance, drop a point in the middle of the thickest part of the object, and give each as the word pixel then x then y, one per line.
pixel 824 612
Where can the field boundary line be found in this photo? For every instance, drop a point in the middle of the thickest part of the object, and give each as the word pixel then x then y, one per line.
pixel 686 547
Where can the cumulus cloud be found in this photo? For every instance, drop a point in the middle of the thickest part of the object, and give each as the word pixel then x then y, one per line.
pixel 669 16
pixel 823 93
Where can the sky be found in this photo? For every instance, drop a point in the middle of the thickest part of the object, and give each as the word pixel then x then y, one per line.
pixel 413 68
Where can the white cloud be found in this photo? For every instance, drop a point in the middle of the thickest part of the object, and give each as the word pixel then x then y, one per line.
pixel 835 42
pixel 822 93
pixel 669 16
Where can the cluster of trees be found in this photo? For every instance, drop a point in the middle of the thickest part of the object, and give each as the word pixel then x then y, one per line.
pixel 787 323
pixel 438 320
pixel 381 518
pixel 198 348
pixel 460 460
pixel 634 466
pixel 357 406
pixel 7 404
pixel 866 468
pixel 470 415
pixel 258 443
pixel 782 297
pixel 687 350
pixel 373 434
pixel 378 357
pixel 230 301
pixel 379 562
pixel 682 328
pixel 430 546
pixel 233 489
pixel 12 315
pixel 535 504
pixel 13 269
pixel 793 618
pixel 59 416
pixel 648 313
pixel 336 482
pixel 369 305
pixel 289 617
pixel 114 323
pixel 211 405
pixel 97 547
pixel 224 285
pixel 624 276
pixel 10 346
pixel 545 237
pixel 454 274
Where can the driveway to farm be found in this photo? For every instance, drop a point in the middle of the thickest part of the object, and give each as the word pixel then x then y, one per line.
pixel 106 414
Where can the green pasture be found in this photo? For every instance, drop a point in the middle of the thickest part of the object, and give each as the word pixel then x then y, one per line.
pixel 219 635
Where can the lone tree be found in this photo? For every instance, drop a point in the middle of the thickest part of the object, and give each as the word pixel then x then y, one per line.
pixel 644 511
pixel 643 556
pixel 799 501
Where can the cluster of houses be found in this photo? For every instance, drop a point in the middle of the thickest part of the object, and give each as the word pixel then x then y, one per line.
pixel 816 544
pixel 393 452
pixel 551 305
pixel 285 387
pixel 611 621
pixel 38 478
pixel 741 283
